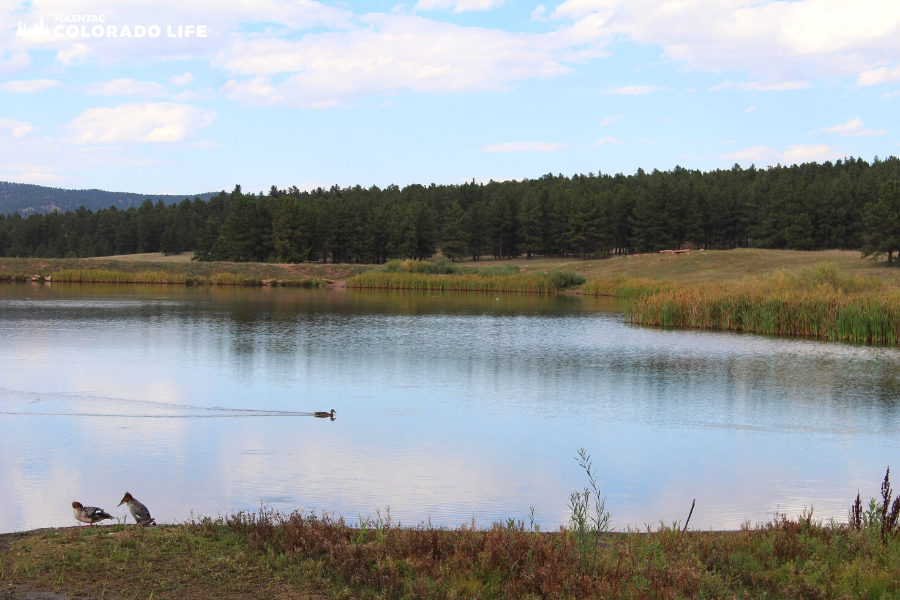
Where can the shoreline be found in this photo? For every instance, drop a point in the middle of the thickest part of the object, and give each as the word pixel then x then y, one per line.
pixel 276 555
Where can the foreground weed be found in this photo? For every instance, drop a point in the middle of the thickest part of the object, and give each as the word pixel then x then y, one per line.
pixel 588 526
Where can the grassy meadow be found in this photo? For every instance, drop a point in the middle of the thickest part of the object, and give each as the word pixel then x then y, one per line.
pixel 711 266
pixel 175 267
pixel 272 555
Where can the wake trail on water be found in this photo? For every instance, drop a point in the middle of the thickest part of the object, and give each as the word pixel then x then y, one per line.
pixel 164 410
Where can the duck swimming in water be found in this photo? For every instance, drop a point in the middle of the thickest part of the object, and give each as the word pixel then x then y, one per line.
pixel 89 514
pixel 138 511
pixel 325 415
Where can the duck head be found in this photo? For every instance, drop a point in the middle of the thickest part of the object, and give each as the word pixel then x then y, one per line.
pixel 332 412
pixel 77 505
pixel 126 498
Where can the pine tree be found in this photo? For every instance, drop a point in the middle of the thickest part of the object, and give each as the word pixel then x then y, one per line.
pixel 455 237
pixel 530 225
pixel 882 223
pixel 289 239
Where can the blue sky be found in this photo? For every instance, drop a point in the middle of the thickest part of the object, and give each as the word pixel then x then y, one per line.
pixel 315 93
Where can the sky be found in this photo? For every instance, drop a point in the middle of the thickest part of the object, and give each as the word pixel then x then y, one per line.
pixel 307 93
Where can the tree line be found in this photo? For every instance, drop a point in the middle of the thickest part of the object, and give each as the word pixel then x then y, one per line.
pixel 848 204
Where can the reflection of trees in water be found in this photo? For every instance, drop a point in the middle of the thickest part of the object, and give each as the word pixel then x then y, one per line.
pixel 527 350
pixel 509 355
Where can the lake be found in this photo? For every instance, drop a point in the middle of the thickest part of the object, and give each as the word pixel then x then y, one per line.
pixel 449 407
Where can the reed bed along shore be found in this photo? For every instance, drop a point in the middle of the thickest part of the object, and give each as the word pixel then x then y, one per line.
pixel 443 275
pixel 818 303
pixel 454 283
pixel 623 287
pixel 159 277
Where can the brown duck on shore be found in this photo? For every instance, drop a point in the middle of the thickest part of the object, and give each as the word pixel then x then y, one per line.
pixel 138 511
pixel 324 415
pixel 89 514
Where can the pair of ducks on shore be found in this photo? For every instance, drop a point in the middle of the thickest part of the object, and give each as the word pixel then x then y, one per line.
pixel 92 514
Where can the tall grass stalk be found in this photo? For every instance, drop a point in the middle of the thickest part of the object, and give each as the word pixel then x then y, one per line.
pixel 586 526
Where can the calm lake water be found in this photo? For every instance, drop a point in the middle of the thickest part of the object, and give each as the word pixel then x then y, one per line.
pixel 449 407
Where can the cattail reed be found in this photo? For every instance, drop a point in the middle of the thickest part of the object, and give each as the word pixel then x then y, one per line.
pixel 533 284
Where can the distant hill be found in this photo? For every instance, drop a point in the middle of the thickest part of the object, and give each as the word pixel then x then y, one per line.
pixel 26 198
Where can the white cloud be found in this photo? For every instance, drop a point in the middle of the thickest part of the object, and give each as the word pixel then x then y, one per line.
pixel 793 155
pixel 29 86
pixel 139 122
pixel 809 153
pixel 187 95
pixel 258 90
pixel 851 125
pixel 75 55
pixel 880 75
pixel 125 87
pixel 749 110
pixel 35 158
pixel 16 61
pixel 458 6
pixel 38 177
pixel 223 18
pixel 13 128
pixel 890 94
pixel 181 80
pixel 643 141
pixel 392 53
pixel 606 140
pixel 539 14
pixel 632 90
pixel 754 154
pixel 788 43
pixel 524 147
pixel 610 119
pixel 852 128
pixel 774 38
pixel 758 86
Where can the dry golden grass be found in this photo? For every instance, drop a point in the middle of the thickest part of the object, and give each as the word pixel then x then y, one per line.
pixel 156 257
pixel 712 266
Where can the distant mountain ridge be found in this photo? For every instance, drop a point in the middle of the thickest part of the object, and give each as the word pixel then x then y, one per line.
pixel 27 198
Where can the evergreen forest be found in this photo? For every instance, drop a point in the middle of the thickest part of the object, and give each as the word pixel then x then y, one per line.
pixel 849 204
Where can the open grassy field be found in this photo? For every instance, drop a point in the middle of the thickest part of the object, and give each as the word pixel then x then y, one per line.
pixel 181 268
pixel 713 266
